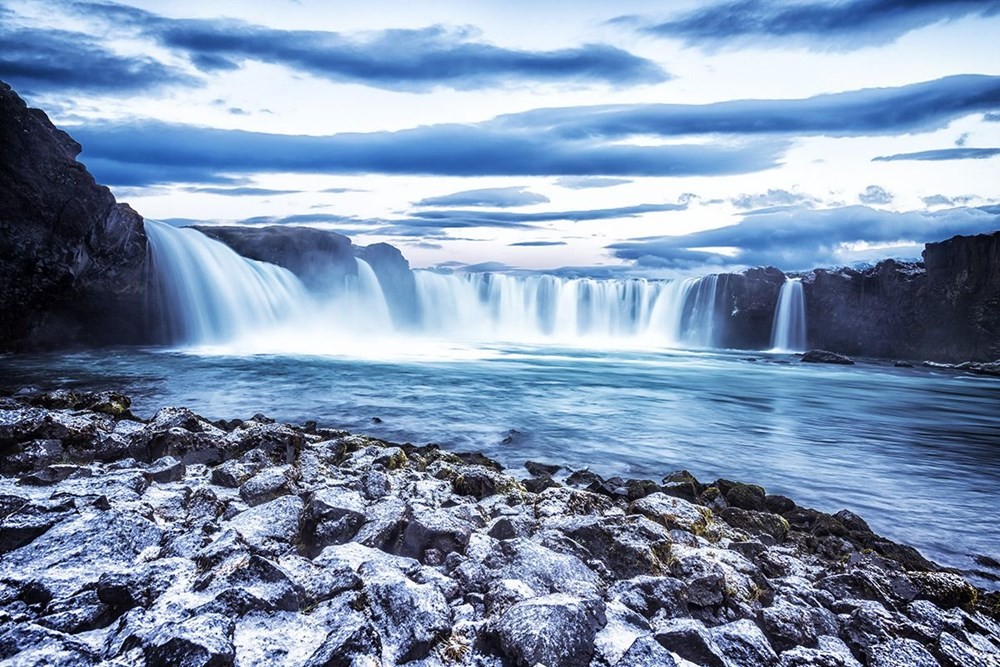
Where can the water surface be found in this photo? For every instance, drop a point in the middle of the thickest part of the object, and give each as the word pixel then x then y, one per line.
pixel 916 452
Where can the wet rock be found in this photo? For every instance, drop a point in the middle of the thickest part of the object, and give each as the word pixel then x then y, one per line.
pixel 49 475
pixel 537 469
pixel 480 482
pixel 626 546
pixel 943 589
pixel 78 613
pixel 375 484
pixel 756 523
pixel 743 644
pixel 673 512
pixel 201 641
pixel 554 630
pixel 167 469
pixel 410 617
pixel 788 626
pixel 272 528
pixel 319 584
pixel 443 531
pixel 831 653
pixel 347 644
pixel 385 521
pixel 649 595
pixel 233 473
pixel 542 569
pixel 267 485
pixel 646 652
pixel 778 504
pixel 743 496
pixel 690 640
pixel 26 520
pixel 955 653
pixel 825 357
pixel 27 644
pixel 900 653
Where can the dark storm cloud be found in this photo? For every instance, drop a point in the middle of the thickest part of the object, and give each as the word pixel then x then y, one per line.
pixel 412 59
pixel 875 194
pixel 571 141
pixel 942 154
pixel 41 61
pixel 496 197
pixel 821 25
pixel 805 238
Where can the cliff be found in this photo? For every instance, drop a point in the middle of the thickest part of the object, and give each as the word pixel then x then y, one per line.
pixel 72 260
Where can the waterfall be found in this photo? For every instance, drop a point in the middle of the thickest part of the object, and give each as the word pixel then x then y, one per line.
pixel 210 294
pixel 532 308
pixel 788 333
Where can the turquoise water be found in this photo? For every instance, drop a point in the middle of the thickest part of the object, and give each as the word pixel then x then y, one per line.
pixel 914 451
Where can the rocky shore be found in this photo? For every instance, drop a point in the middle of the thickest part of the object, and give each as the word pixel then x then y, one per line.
pixel 177 541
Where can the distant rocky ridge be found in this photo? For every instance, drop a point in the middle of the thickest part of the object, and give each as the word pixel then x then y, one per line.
pixel 75 269
pixel 179 541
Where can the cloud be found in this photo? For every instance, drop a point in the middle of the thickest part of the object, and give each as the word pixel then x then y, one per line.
pixel 536 244
pixel 571 141
pixel 240 191
pixel 417 60
pixel 498 197
pixel 502 218
pixel 962 139
pixel 941 200
pixel 584 182
pixel 803 239
pixel 771 198
pixel 818 24
pixel 942 154
pixel 875 194
pixel 867 112
pixel 992 117
pixel 111 151
pixel 39 61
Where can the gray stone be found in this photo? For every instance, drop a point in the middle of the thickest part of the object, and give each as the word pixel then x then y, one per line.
pixel 555 630
pixel 646 652
pixel 410 617
pixel 743 644
pixel 900 653
pixel 166 469
pixel 267 485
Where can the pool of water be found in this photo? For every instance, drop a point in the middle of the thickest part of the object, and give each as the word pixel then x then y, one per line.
pixel 914 451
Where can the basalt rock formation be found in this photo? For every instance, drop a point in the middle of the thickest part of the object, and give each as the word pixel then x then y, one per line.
pixel 72 260
pixel 179 541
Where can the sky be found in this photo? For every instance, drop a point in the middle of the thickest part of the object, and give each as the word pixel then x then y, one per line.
pixel 653 138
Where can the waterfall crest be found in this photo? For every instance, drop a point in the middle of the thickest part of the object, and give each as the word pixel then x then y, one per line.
pixel 788 332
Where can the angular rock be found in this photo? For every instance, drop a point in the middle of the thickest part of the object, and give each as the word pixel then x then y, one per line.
pixel 900 653
pixel 690 640
pixel 554 630
pixel 267 485
pixel 826 357
pixel 673 512
pixel 166 469
pixel 201 641
pixel 410 617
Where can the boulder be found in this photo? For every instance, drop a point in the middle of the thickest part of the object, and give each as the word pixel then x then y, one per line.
pixel 826 357
pixel 554 630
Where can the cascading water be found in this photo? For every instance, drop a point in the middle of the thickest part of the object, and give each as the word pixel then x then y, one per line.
pixel 788 333
pixel 210 294
pixel 492 306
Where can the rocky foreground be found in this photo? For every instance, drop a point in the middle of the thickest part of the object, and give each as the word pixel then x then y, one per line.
pixel 176 541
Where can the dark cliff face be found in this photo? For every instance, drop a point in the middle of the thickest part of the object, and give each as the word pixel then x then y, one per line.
pixel 963 281
pixel 944 309
pixel 72 260
pixel 321 259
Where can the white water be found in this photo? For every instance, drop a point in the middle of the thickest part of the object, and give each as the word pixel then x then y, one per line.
pixel 212 296
pixel 788 333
